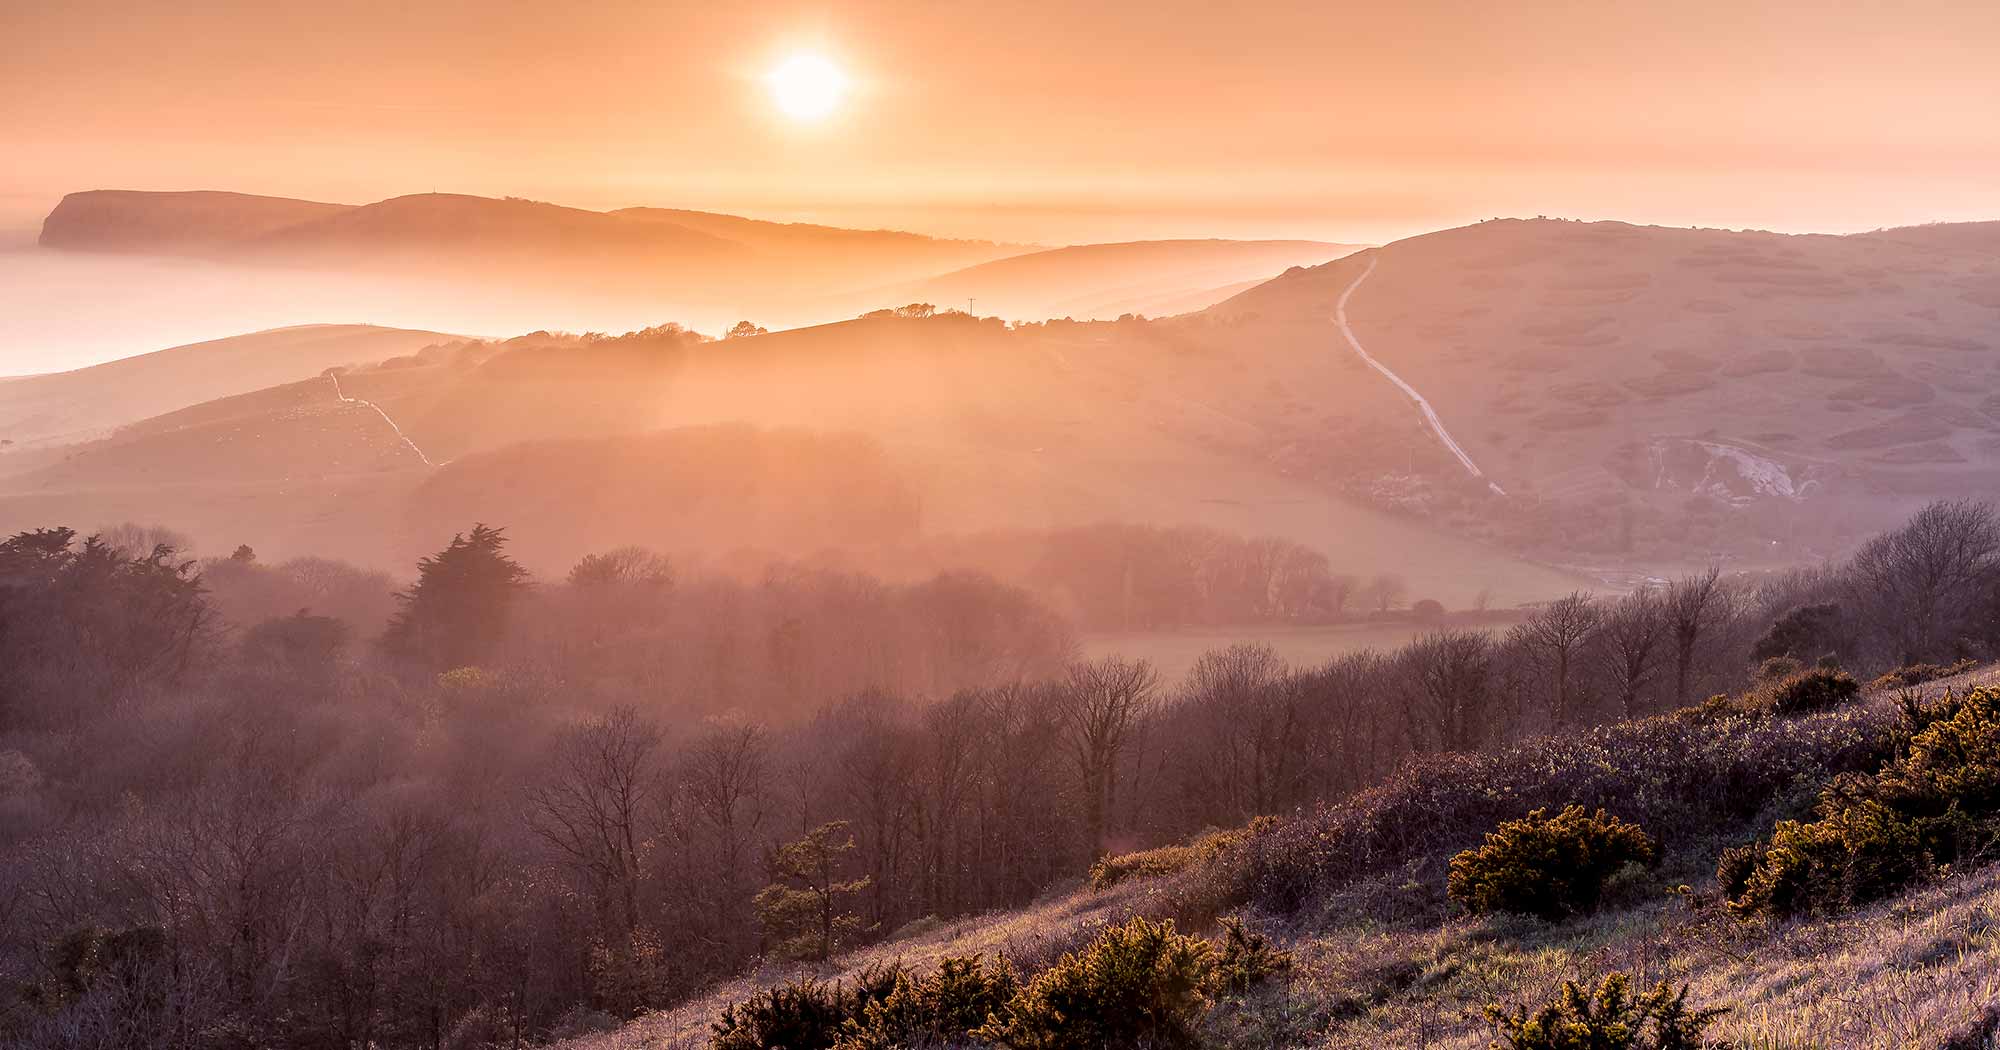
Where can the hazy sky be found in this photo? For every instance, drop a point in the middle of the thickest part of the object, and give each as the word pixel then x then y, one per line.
pixel 1030 120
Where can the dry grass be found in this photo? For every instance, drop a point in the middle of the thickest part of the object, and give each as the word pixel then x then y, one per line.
pixel 1912 973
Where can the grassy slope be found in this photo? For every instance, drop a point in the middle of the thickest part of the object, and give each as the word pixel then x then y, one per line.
pixel 1577 359
pixel 82 404
pixel 1382 962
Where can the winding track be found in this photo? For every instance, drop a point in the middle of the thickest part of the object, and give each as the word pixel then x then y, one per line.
pixel 405 438
pixel 1430 414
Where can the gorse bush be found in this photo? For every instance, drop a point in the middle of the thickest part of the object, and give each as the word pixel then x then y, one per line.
pixel 1935 804
pixel 1609 1018
pixel 1548 866
pixel 941 1009
pixel 1814 689
pixel 1246 960
pixel 805 1014
pixel 1140 985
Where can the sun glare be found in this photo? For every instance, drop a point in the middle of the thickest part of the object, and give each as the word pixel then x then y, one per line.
pixel 807 87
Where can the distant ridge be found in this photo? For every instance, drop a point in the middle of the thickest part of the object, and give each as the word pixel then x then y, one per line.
pixel 218 224
pixel 784 272
pixel 84 403
pixel 192 222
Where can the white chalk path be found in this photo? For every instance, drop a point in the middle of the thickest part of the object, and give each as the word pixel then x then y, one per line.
pixel 405 438
pixel 1430 415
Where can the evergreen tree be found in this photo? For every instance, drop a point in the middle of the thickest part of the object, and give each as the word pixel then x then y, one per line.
pixel 456 613
pixel 802 911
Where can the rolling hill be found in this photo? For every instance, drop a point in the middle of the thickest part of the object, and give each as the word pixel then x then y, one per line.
pixel 1038 427
pixel 1103 281
pixel 66 407
pixel 1811 386
pixel 1644 398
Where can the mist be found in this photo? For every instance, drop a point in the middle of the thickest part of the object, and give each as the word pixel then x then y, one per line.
pixel 1072 527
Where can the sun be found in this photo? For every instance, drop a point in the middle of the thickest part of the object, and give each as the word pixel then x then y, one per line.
pixel 807 87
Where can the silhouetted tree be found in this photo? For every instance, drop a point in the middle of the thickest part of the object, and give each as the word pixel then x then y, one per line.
pixel 1447 675
pixel 1098 703
pixel 1691 606
pixel 1631 642
pixel 623 565
pixel 1554 636
pixel 1924 579
pixel 456 612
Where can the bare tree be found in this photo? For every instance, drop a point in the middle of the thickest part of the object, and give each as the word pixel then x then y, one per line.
pixel 591 806
pixel 1098 704
pixel 1386 591
pixel 1924 576
pixel 1629 646
pixel 1250 717
pixel 726 773
pixel 1555 637
pixel 1447 676
pixel 1691 606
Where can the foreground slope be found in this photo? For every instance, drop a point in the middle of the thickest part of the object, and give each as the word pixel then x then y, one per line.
pixel 1380 958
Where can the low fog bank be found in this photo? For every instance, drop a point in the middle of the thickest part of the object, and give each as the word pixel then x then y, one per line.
pixel 64 310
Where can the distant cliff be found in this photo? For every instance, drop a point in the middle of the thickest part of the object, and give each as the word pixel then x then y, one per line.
pixel 195 222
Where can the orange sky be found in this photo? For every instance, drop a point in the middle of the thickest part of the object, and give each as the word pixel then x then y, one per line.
pixel 1029 120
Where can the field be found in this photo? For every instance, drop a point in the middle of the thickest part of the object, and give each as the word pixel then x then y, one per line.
pixel 1174 652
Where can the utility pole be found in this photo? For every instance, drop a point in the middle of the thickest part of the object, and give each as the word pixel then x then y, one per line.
pixel 968 307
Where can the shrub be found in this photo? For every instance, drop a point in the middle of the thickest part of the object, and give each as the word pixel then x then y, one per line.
pixel 1169 860
pixel 805 1014
pixel 1246 960
pixel 478 1029
pixel 1804 632
pixel 943 1008
pixel 1610 1018
pixel 1775 668
pixel 1934 804
pixel 1811 690
pixel 1678 776
pixel 1139 985
pixel 1548 866
pixel 1733 868
pixel 1911 675
pixel 579 1021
